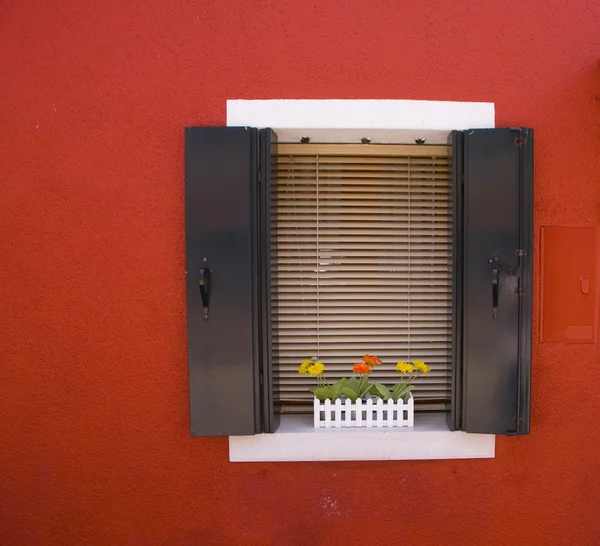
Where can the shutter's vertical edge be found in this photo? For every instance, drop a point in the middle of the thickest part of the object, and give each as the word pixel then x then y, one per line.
pixel 256 277
pixel 454 416
pixel 270 411
pixel 526 288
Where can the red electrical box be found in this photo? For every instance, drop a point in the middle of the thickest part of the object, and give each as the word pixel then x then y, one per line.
pixel 569 284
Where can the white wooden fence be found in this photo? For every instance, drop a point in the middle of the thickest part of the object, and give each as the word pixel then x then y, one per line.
pixel 364 413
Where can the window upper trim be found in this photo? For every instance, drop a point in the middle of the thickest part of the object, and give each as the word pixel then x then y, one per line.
pixel 361 114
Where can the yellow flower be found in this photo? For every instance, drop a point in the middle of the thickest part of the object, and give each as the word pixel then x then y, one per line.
pixel 404 367
pixel 316 369
pixel 304 367
pixel 421 366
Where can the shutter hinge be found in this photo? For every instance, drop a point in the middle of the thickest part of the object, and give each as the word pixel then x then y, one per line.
pixel 522 138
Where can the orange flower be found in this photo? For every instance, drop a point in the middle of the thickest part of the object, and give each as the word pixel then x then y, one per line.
pixel 371 360
pixel 361 367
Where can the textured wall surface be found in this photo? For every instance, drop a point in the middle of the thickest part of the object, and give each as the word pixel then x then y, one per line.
pixel 94 441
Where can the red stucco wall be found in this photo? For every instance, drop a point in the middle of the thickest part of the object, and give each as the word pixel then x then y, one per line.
pixel 94 442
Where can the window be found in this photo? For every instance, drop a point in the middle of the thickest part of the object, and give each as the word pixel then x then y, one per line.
pixel 361 262
pixel 233 357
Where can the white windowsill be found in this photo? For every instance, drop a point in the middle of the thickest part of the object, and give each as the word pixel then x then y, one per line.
pixel 297 440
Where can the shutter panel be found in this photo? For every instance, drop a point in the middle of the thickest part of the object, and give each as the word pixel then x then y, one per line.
pixel 493 280
pixel 223 225
pixel 361 263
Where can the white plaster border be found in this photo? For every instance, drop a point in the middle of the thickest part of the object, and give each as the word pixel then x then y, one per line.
pixel 361 114
pixel 296 439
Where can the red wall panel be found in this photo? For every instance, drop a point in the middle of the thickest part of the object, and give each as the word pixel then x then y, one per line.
pixel 94 434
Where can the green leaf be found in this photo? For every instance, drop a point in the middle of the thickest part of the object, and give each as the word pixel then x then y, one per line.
pixel 336 389
pixel 340 383
pixel 400 389
pixel 322 393
pixel 405 395
pixel 353 383
pixel 380 390
pixel 349 393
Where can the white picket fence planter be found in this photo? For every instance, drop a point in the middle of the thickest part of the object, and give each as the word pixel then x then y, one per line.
pixel 364 413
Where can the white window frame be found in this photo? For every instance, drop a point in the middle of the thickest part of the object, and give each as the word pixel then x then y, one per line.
pixel 296 439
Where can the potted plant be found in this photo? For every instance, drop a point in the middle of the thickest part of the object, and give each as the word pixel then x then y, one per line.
pixel 358 402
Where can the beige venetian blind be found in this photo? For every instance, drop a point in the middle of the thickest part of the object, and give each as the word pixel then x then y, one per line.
pixel 361 263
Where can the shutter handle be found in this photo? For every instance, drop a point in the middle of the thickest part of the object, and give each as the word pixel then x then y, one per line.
pixel 497 266
pixel 203 283
pixel 495 282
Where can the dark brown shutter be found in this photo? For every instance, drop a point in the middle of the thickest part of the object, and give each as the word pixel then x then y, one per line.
pixel 225 224
pixel 493 209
